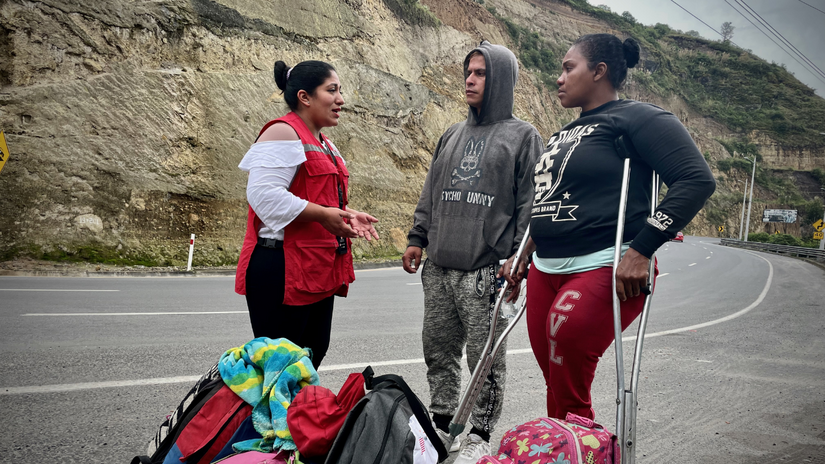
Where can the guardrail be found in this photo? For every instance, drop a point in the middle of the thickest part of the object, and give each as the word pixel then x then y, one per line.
pixel 801 252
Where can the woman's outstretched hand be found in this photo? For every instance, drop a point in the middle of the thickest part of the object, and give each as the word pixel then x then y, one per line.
pixel 332 220
pixel 362 224
pixel 632 274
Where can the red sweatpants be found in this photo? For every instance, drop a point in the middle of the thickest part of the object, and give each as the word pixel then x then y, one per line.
pixel 570 324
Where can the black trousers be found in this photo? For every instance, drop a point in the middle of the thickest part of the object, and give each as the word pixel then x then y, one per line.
pixel 307 326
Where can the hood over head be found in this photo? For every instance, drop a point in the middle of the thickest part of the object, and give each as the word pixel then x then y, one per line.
pixel 499 85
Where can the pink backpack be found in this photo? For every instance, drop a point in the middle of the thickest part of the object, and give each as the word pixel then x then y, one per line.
pixel 577 440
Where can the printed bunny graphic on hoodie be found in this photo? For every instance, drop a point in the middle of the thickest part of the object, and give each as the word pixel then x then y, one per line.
pixel 475 204
pixel 468 170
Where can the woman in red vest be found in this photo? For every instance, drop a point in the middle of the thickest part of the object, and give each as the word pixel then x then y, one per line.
pixel 297 253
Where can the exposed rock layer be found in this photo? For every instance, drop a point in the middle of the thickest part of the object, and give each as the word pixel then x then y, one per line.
pixel 126 119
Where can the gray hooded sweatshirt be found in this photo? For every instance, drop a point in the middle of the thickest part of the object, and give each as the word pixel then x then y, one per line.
pixel 476 200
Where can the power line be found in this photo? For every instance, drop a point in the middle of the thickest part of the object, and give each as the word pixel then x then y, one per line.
pixel 815 8
pixel 706 24
pixel 808 65
pixel 777 34
pixel 781 47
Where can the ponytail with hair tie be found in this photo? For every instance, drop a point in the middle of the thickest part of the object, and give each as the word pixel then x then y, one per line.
pixel 631 52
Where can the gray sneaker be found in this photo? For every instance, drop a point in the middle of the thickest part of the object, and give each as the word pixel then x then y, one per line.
pixel 445 439
pixel 472 449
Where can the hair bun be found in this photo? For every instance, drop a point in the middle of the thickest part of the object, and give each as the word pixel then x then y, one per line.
pixel 279 70
pixel 631 51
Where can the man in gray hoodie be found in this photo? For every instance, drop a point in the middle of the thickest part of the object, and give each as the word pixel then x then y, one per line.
pixel 473 211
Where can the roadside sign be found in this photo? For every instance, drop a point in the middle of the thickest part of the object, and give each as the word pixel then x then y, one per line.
pixel 819 235
pixel 4 150
pixel 721 228
pixel 819 225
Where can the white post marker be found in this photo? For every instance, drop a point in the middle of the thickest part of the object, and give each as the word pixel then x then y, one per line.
pixel 191 249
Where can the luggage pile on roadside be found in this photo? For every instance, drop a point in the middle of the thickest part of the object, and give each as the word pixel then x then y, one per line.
pixel 262 403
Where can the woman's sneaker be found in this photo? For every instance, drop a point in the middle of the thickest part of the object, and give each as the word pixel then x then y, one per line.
pixel 445 439
pixel 472 449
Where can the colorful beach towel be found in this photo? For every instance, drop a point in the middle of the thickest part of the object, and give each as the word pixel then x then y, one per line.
pixel 268 374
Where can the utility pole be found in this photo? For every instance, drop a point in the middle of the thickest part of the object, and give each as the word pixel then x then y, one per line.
pixel 742 217
pixel 750 203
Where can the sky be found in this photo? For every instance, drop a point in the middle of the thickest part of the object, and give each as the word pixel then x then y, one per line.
pixel 797 20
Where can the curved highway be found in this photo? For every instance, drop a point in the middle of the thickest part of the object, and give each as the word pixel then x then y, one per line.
pixel 733 367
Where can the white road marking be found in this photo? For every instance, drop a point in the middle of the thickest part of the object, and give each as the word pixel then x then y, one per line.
pixel 707 257
pixel 691 264
pixel 703 361
pixel 414 283
pixel 662 275
pixel 726 318
pixel 69 387
pixel 189 379
pixel 172 313
pixel 51 290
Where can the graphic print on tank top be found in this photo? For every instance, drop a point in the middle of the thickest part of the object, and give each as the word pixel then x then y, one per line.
pixel 469 168
pixel 549 173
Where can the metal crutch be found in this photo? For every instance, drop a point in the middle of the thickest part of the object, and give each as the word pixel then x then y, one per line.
pixel 465 406
pixel 626 399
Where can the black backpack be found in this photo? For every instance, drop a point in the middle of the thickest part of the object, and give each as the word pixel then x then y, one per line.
pixel 377 430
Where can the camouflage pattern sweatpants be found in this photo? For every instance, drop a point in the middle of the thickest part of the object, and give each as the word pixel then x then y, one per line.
pixel 458 306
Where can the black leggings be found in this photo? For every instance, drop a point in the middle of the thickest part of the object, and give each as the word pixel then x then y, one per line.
pixel 307 326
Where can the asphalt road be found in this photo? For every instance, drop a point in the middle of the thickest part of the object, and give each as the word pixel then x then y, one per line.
pixel 733 368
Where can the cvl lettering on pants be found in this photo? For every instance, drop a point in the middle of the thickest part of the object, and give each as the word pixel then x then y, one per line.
pixel 556 320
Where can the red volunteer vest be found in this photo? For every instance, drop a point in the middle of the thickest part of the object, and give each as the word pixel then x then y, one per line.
pixel 314 270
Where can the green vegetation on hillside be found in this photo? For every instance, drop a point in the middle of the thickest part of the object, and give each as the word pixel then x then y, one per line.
pixel 413 12
pixel 718 79
pixel 86 253
pixel 782 239
pixel 535 53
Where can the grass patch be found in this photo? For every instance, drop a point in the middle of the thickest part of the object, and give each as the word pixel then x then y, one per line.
pixel 782 239
pixel 413 12
pixel 82 254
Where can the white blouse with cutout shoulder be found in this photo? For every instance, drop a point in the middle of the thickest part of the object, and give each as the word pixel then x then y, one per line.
pixel 272 166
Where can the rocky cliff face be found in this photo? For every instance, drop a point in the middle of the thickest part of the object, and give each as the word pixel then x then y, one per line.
pixel 126 120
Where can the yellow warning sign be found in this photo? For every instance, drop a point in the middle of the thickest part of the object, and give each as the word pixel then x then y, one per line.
pixel 819 235
pixel 721 228
pixel 4 151
pixel 819 225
